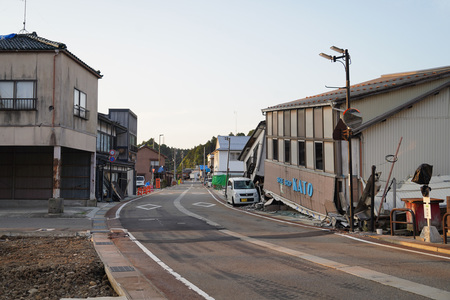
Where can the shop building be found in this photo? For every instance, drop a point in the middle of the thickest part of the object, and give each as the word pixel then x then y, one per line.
pixel 308 169
pixel 48 123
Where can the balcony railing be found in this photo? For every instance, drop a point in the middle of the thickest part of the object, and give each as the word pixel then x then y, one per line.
pixel 18 103
pixel 81 112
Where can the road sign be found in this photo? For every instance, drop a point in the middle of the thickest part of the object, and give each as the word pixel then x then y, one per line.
pixel 112 158
pixel 112 152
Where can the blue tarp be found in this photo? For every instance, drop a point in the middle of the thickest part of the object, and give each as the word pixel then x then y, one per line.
pixel 205 167
pixel 7 36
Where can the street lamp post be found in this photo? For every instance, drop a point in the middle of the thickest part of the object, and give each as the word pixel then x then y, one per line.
pixel 159 154
pixel 345 55
pixel 159 151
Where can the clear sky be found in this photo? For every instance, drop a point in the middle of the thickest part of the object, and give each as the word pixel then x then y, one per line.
pixel 194 69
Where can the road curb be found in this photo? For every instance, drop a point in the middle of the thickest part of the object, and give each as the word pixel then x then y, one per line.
pixel 417 245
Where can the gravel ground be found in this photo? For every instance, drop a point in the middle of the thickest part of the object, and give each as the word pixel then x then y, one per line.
pixel 51 268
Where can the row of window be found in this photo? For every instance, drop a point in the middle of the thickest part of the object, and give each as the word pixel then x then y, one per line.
pixel 21 95
pixel 301 153
pixel 302 137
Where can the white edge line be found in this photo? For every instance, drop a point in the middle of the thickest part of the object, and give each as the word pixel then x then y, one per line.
pixel 169 269
pixel 393 247
pixel 177 276
pixel 325 229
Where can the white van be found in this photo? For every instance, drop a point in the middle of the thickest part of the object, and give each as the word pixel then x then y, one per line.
pixel 241 190
pixel 140 181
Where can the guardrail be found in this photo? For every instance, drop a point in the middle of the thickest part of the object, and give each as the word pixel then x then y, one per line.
pixel 402 222
pixel 445 227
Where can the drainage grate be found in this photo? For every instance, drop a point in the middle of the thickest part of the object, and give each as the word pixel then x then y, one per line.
pixel 122 269
pixel 104 243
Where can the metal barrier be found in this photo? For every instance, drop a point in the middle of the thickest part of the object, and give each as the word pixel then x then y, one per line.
pixel 401 222
pixel 445 227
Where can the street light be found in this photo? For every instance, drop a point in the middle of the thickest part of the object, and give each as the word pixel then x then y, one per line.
pixel 159 154
pixel 159 151
pixel 346 58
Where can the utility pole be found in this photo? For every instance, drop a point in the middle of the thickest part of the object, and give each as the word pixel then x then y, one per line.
pixel 175 165
pixel 345 55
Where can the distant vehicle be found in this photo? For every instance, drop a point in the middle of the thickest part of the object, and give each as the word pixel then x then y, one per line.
pixel 241 190
pixel 140 181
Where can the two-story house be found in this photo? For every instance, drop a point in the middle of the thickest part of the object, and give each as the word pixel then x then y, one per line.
pixel 226 154
pixel 150 164
pixel 116 135
pixel 254 153
pixel 48 122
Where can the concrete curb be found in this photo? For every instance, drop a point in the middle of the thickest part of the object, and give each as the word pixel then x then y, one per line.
pixel 103 253
pixel 444 249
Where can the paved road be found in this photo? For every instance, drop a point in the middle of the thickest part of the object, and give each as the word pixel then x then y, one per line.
pixel 219 252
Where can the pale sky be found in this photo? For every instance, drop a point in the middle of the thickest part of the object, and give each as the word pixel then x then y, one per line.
pixel 194 69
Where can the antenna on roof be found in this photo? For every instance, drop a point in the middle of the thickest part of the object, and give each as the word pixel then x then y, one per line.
pixel 24 18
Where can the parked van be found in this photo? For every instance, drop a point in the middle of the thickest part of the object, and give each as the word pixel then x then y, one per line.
pixel 140 181
pixel 241 190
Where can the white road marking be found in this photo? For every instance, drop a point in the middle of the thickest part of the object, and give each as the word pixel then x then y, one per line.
pixel 325 229
pixel 358 271
pixel 361 272
pixel 166 267
pixel 385 279
pixel 148 206
pixel 170 270
pixel 204 204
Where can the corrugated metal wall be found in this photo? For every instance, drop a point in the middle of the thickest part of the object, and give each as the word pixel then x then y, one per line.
pixel 26 173
pixel 75 174
pixel 426 139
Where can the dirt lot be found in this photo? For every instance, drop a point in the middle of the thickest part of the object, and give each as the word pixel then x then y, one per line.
pixel 51 268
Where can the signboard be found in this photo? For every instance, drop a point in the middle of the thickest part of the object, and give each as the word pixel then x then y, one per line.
pixel 427 211
pixel 426 208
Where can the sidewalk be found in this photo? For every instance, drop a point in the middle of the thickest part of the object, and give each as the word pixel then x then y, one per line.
pixel 128 282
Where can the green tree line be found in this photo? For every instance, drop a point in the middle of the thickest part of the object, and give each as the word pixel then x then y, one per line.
pixel 186 158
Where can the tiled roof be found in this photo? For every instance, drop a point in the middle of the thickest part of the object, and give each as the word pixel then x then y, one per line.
pixel 29 41
pixel 33 42
pixel 383 84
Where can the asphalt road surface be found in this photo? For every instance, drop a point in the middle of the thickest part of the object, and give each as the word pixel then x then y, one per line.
pixel 195 246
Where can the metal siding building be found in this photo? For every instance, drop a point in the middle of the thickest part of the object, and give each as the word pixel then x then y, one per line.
pixel 412 106
pixel 426 139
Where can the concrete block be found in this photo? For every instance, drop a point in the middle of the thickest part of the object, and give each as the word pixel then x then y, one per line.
pixel 55 205
pixel 431 234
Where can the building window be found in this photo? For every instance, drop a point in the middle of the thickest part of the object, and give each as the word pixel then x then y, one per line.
pixel 287 151
pixel 79 104
pixel 17 95
pixel 301 153
pixel 104 142
pixel 318 149
pixel 133 142
pixel 275 149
